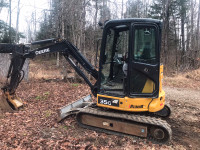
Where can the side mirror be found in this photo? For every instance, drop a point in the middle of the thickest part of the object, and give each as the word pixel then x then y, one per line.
pixel 100 24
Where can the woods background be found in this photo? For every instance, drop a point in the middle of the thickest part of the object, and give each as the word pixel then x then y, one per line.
pixel 77 21
pixel 35 126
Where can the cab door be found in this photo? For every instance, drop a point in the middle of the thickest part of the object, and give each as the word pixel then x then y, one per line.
pixel 144 60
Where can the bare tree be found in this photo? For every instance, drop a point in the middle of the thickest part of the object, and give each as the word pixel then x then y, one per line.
pixel 17 22
pixel 10 21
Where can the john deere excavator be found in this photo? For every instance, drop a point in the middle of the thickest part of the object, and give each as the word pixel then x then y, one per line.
pixel 128 87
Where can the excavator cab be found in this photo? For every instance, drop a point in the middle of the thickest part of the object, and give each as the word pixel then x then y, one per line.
pixel 130 69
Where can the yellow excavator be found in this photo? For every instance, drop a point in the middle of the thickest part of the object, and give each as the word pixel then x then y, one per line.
pixel 128 89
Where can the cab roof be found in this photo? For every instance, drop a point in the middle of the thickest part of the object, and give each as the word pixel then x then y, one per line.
pixel 133 20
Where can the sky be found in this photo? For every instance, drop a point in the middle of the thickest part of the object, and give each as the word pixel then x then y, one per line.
pixel 27 7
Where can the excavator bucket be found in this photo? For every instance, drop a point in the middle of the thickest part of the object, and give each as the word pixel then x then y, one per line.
pixel 74 107
pixel 10 103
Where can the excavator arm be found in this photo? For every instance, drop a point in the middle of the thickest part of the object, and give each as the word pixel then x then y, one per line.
pixel 16 74
pixel 68 50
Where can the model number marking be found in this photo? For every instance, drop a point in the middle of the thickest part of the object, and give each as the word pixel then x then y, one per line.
pixel 105 102
pixel 108 101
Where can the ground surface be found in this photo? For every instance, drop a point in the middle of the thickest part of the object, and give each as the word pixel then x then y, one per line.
pixel 35 126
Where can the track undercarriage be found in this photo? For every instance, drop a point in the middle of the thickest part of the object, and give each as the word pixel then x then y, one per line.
pixel 143 125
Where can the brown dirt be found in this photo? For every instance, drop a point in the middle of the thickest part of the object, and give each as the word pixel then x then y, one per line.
pixel 36 127
pixel 183 93
pixel 185 118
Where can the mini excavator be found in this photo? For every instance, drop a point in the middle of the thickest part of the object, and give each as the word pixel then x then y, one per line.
pixel 130 99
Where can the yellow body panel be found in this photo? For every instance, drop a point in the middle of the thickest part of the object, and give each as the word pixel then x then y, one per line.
pixel 139 104
pixel 148 87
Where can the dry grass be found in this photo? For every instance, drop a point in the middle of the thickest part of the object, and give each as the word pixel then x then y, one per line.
pixel 49 70
pixel 45 70
pixel 195 74
pixel 189 79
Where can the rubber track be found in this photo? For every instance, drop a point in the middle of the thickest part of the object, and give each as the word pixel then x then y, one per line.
pixel 139 119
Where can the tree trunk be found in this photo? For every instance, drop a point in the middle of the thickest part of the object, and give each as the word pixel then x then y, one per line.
pixel 182 39
pixel 10 22
pixel 197 53
pixel 17 22
pixel 166 30
pixel 122 9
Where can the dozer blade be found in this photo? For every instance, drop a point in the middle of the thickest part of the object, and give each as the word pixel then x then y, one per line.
pixel 10 103
pixel 74 107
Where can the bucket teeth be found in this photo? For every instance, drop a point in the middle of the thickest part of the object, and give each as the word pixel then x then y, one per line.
pixel 18 103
